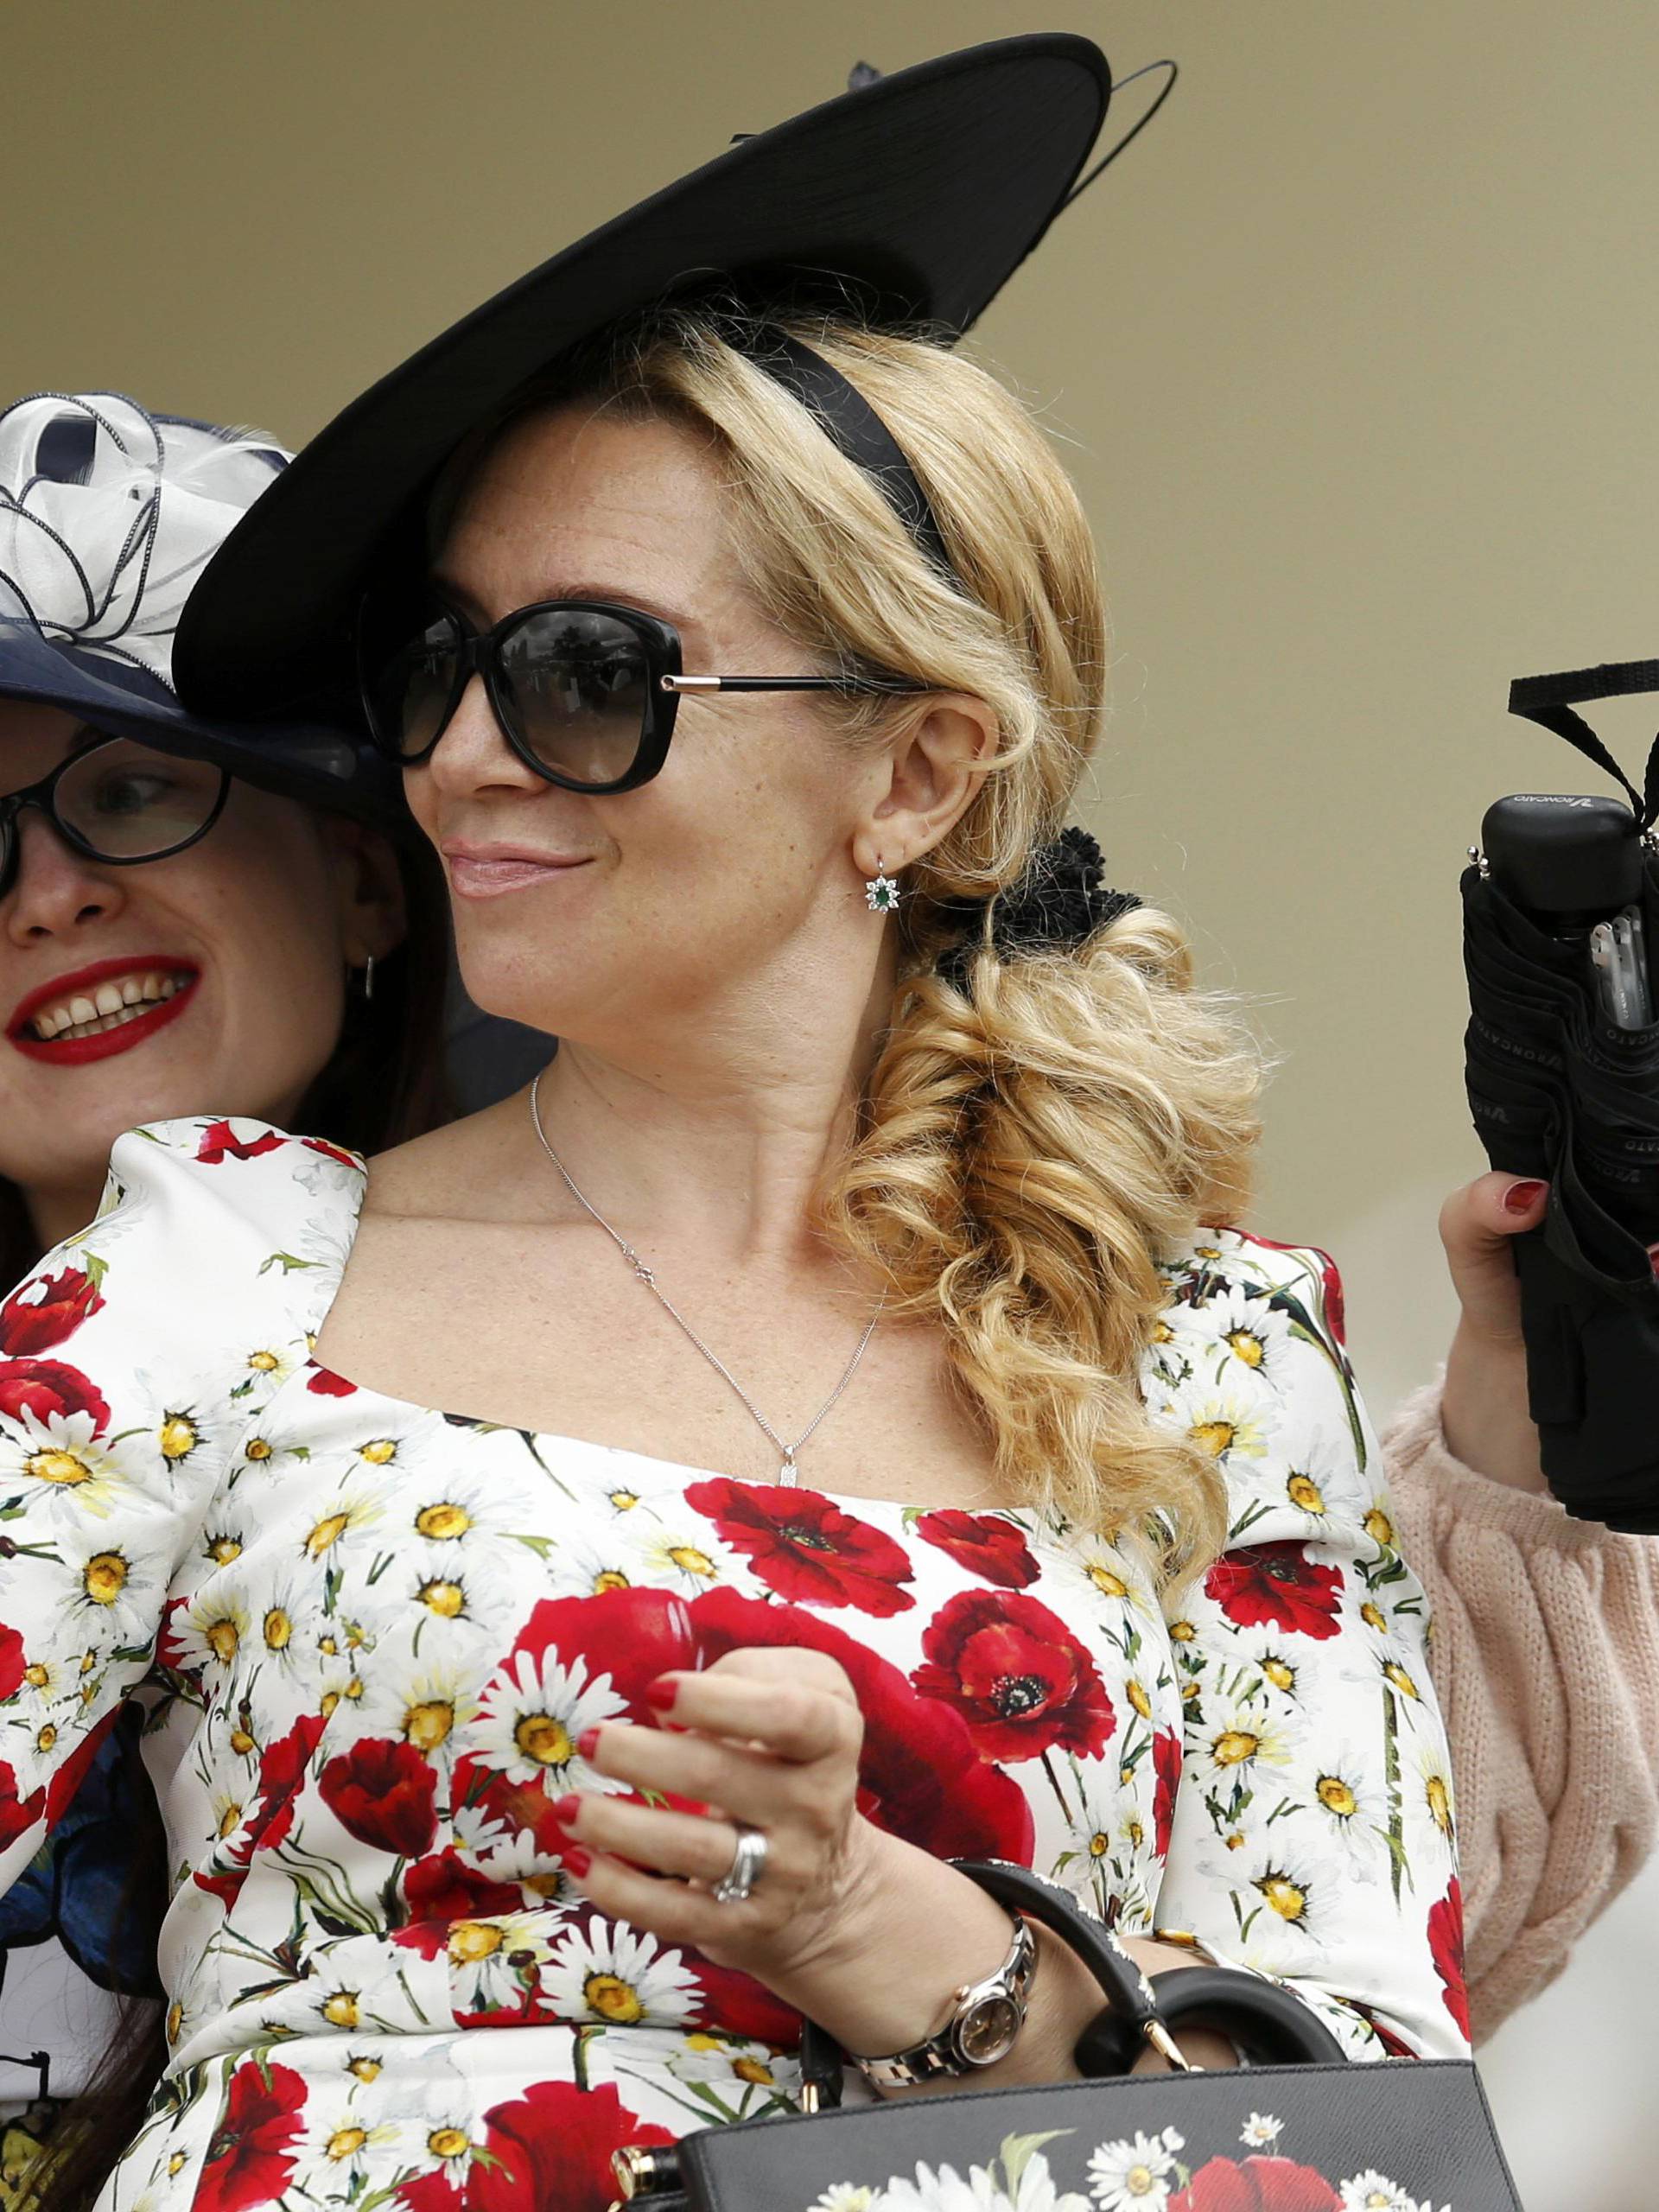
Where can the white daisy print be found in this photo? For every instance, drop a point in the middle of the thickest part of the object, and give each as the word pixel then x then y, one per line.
pixel 494 1963
pixel 1136 2173
pixel 531 1716
pixel 351 2136
pixel 1240 1739
pixel 695 1564
pixel 945 2191
pixel 211 1632
pixel 1249 1342
pixel 113 1588
pixel 339 1523
pixel 1261 2129
pixel 1374 2192
pixel 1437 1796
pixel 1223 1422
pixel 608 1972
pixel 57 1469
pixel 429 1705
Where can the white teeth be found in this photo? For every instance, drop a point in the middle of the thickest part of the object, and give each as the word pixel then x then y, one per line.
pixel 112 1005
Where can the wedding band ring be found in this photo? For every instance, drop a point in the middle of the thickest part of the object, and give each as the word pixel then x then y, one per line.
pixel 748 1864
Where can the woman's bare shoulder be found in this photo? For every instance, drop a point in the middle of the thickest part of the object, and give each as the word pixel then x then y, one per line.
pixel 471 1170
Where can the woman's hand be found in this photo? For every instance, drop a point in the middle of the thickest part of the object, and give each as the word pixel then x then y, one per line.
pixel 1484 1414
pixel 866 1934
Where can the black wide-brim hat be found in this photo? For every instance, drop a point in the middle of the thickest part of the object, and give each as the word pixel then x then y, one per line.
pixel 919 193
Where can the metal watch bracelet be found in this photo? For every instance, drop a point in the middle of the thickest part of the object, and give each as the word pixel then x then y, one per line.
pixel 984 2024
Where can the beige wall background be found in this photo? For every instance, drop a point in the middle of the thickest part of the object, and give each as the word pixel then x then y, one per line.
pixel 1353 355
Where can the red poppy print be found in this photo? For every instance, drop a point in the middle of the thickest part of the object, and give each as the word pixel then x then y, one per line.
pixel 806 1548
pixel 1017 1675
pixel 331 1150
pixel 1277 1586
pixel 283 1767
pixel 250 2158
pixel 1256 2185
pixel 46 1390
pixel 443 1889
pixel 47 1310
pixel 920 1773
pixel 554 2146
pixel 17 1814
pixel 986 1544
pixel 384 1793
pixel 219 1143
pixel 325 1383
pixel 431 2192
pixel 1445 1949
pixel 11 1661
pixel 1166 1761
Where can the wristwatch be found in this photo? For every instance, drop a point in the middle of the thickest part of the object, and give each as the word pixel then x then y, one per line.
pixel 984 2024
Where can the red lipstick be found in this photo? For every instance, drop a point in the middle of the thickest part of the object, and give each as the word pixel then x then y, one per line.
pixel 77 1052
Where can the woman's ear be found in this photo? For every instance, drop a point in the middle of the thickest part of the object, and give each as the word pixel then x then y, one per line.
pixel 368 890
pixel 935 770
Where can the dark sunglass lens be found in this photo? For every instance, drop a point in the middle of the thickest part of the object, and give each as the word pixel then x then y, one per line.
pixel 128 803
pixel 577 682
pixel 409 699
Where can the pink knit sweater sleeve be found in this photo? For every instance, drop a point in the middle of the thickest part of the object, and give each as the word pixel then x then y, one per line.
pixel 1546 1657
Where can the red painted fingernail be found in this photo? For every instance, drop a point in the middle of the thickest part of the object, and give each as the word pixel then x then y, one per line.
pixel 566 1809
pixel 578 1860
pixel 587 1743
pixel 661 1694
pixel 1520 1198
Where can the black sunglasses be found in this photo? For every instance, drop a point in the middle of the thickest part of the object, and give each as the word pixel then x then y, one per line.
pixel 118 802
pixel 585 693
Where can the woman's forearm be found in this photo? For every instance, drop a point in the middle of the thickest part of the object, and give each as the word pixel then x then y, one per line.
pixel 1484 1411
pixel 927 1931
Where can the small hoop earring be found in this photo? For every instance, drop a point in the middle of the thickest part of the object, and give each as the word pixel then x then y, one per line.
pixel 881 892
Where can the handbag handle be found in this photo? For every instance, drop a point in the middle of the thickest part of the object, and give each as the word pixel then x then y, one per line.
pixel 1272 2025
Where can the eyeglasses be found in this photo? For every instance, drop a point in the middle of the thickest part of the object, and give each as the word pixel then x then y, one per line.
pixel 586 693
pixel 119 802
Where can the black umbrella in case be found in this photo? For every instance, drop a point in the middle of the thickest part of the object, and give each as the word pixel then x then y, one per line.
pixel 1562 1066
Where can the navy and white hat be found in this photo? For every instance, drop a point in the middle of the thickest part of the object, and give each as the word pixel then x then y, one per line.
pixel 108 515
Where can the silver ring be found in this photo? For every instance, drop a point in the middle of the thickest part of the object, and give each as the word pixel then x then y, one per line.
pixel 748 1864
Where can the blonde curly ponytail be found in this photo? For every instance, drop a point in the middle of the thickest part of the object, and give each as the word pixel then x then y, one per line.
pixel 1034 1137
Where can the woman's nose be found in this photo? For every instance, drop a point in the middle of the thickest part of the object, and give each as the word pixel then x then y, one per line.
pixel 473 754
pixel 57 890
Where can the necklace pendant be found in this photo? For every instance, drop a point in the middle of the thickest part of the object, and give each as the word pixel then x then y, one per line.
pixel 789 1474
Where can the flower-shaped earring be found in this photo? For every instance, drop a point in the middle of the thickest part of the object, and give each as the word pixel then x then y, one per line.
pixel 880 892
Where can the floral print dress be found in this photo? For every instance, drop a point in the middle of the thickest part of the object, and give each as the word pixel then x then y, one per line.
pixel 369 1636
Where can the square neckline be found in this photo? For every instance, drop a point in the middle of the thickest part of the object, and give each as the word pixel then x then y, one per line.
pixel 1036 1523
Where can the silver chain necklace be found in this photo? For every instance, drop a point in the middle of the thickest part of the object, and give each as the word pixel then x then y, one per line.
pixel 788 1472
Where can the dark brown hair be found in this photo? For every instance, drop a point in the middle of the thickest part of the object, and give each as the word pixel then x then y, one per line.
pixel 384 1083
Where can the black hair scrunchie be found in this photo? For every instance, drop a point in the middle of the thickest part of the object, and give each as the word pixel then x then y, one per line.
pixel 1059 902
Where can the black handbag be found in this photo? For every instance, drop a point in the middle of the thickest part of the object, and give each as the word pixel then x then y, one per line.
pixel 1558 1091
pixel 1284 2132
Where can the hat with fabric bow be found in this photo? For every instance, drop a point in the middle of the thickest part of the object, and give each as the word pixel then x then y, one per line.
pixel 108 515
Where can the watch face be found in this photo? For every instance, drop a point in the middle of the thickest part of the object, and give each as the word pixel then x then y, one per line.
pixel 988 2030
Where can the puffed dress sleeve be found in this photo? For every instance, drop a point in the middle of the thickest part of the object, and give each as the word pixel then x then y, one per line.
pixel 1546 1656
pixel 1312 1838
pixel 118 1359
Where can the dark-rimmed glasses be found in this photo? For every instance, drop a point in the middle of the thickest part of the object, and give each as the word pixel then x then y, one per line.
pixel 119 802
pixel 584 692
